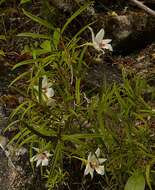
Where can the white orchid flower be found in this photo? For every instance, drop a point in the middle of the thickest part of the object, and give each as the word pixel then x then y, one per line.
pixel 94 164
pixel 42 158
pixel 98 42
pixel 47 90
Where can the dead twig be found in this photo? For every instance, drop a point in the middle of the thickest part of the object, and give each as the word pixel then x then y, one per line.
pixel 144 7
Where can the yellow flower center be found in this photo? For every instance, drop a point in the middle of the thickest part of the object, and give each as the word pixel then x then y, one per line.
pixel 94 164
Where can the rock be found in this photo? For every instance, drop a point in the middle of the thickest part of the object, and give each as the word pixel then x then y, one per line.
pixel 11 178
pixel 108 71
pixel 103 74
pixel 129 31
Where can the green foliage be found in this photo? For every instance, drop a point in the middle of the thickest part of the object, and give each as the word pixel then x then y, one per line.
pixel 2 1
pixel 135 182
pixel 39 20
pixel 2 37
pixel 25 1
pixel 74 121
pixel 2 53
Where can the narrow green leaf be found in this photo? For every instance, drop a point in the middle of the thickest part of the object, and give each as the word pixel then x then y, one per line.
pixel 147 172
pixel 81 136
pixel 39 20
pixel 21 107
pixel 78 12
pixel 31 138
pixel 27 62
pixel 78 33
pixel 23 136
pixel 19 77
pixel 56 37
pixel 56 157
pixel 33 35
pixel 17 136
pixel 24 1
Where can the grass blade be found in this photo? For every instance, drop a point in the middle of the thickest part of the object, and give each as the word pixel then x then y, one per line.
pixel 39 20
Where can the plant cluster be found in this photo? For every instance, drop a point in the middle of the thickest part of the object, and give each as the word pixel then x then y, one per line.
pixel 59 121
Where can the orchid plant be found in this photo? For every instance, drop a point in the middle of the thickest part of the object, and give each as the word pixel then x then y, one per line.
pixel 42 158
pixel 98 42
pixel 94 163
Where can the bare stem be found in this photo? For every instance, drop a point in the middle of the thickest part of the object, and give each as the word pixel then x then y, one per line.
pixel 144 7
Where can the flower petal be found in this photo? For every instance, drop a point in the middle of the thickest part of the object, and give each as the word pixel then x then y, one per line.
pixel 100 170
pixel 97 152
pixel 96 46
pixel 45 162
pixel 44 82
pixel 99 36
pixel 92 173
pixel 87 169
pixel 106 41
pixel 101 160
pixel 47 153
pixel 89 156
pixel 92 34
pixel 38 162
pixel 50 92
pixel 108 46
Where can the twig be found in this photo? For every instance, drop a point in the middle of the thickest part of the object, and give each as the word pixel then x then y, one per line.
pixel 144 7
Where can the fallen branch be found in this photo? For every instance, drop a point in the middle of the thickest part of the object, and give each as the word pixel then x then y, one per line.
pixel 144 7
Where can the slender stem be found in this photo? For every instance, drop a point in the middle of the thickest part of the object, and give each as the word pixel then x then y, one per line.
pixel 144 7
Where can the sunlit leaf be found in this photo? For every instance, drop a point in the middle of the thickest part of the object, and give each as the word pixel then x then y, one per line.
pixel 56 37
pixel 135 182
pixel 2 53
pixel 24 1
pixel 46 45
